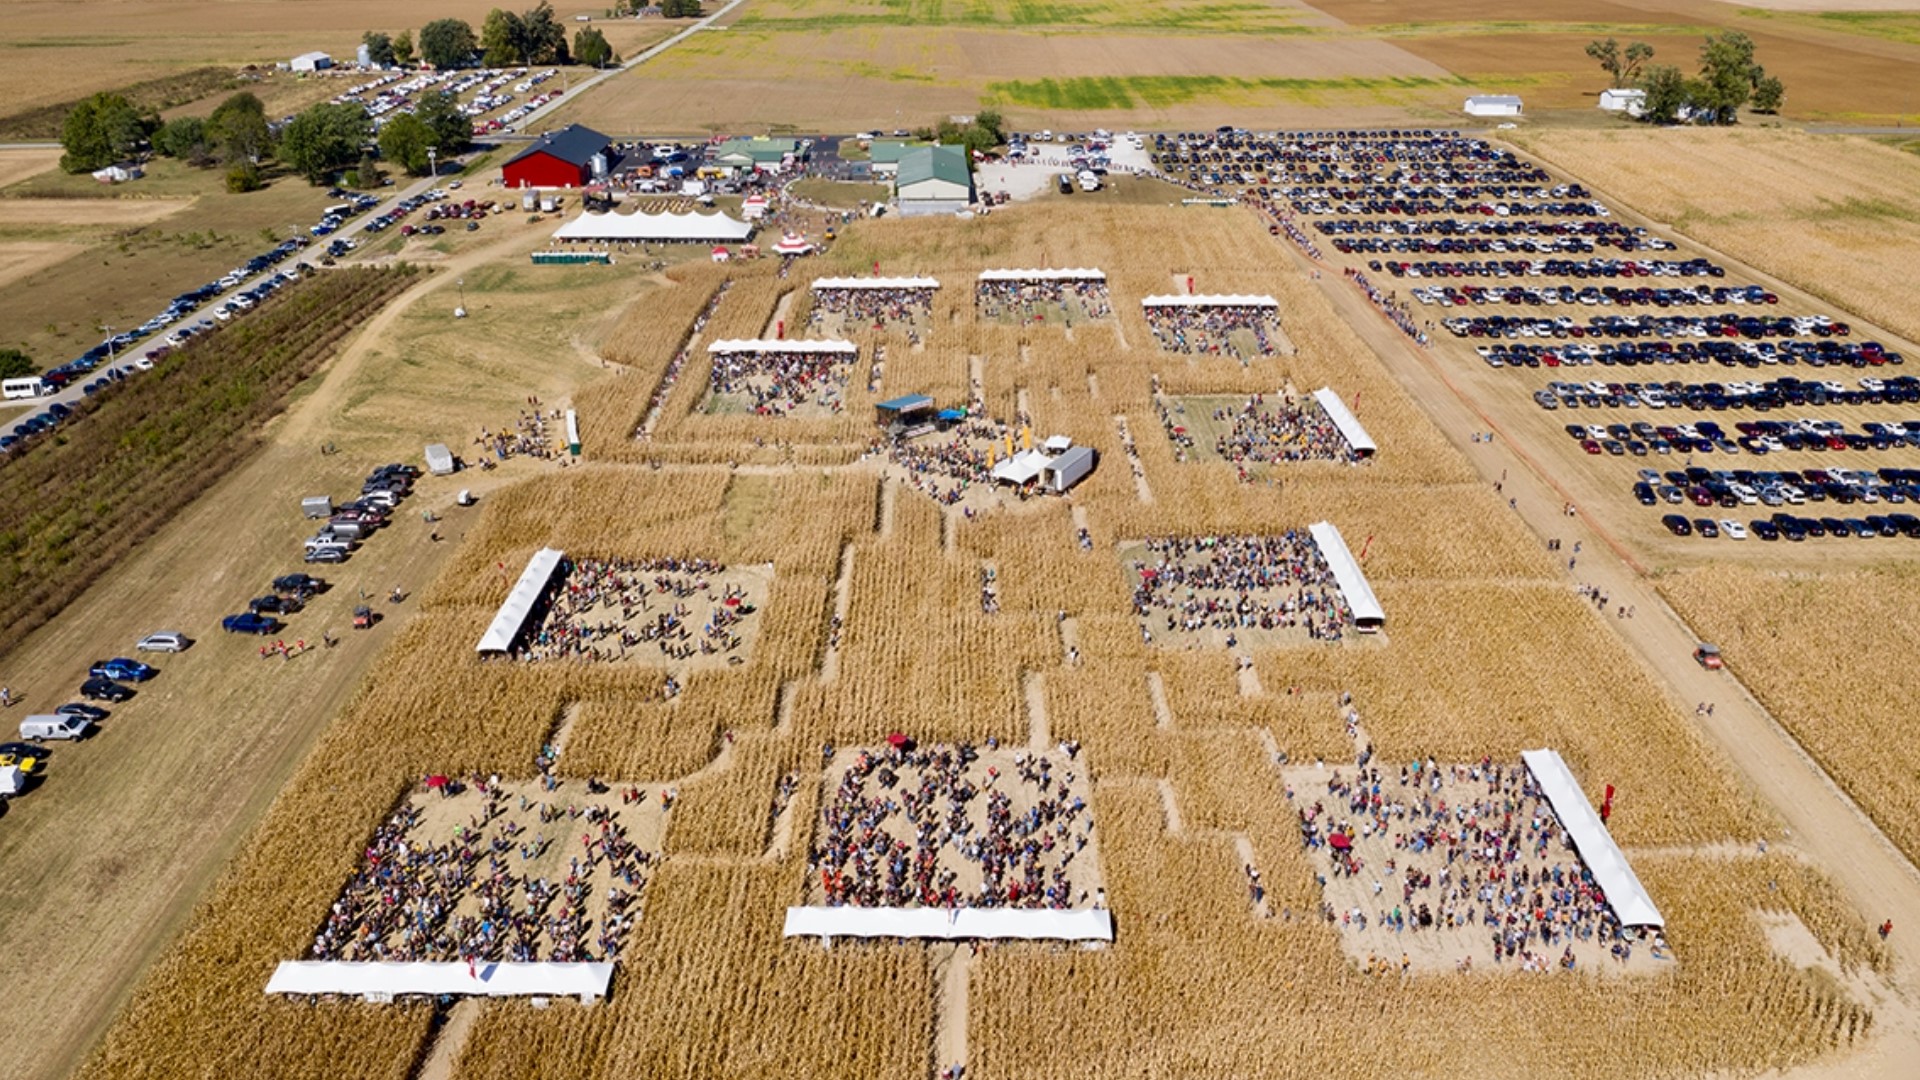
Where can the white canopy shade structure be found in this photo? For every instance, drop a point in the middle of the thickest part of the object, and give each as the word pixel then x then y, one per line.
pixel 1043 275
pixel 1056 443
pixel 875 283
pixel 1345 421
pixel 1088 924
pixel 1367 614
pixel 1206 300
pixel 1625 895
pixel 792 244
pixel 385 981
pixel 783 345
pixel 689 227
pixel 1022 468
pixel 520 602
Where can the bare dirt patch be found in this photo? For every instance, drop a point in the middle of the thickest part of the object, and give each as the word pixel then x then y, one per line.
pixel 103 213
pixel 17 165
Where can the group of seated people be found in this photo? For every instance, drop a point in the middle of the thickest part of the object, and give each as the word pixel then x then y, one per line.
pixel 604 607
pixel 1235 583
pixel 1032 300
pixel 1209 331
pixel 777 383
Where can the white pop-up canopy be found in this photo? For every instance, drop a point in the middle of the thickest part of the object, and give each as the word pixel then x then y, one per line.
pixel 1043 275
pixel 484 978
pixel 1625 895
pixel 519 603
pixel 875 283
pixel 688 227
pixel 1367 614
pixel 782 345
pixel 1022 468
pixel 1206 300
pixel 1087 924
pixel 1344 420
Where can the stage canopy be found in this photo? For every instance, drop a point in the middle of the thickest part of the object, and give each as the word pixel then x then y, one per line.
pixel 689 227
pixel 1625 895
pixel 1088 924
pixel 1367 614
pixel 875 283
pixel 783 345
pixel 519 603
pixel 1206 300
pixel 1043 275
pixel 485 978
pixel 907 404
pixel 1345 421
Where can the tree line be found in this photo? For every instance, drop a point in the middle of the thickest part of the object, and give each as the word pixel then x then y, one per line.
pixel 1729 79
pixel 506 39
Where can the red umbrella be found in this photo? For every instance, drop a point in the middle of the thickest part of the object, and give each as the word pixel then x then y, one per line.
pixel 1339 841
pixel 896 740
pixel 436 781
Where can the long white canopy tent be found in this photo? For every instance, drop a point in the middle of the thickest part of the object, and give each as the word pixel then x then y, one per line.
pixel 384 981
pixel 1625 895
pixel 875 283
pixel 1084 924
pixel 1043 275
pixel 1209 300
pixel 1344 420
pixel 782 345
pixel 664 228
pixel 519 603
pixel 1367 613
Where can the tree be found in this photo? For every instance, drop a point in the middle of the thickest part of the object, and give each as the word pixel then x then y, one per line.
pixel 1667 93
pixel 405 142
pixel 680 9
pixel 590 48
pixel 185 138
pixel 379 48
pixel 239 128
pixel 1768 93
pixel 403 49
pixel 1726 75
pixel 324 139
pixel 1634 58
pixel 543 38
pixel 15 364
pixel 447 43
pixel 367 175
pixel 244 176
pixel 1621 67
pixel 1607 54
pixel 101 130
pixel 501 39
pixel 452 132
pixel 990 121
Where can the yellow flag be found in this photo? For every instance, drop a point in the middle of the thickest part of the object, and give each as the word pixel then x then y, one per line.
pixel 1026 438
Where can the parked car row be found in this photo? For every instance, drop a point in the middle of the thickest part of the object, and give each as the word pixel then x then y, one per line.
pixel 1613 296
pixel 1719 397
pixel 1724 325
pixel 350 523
pixel 1748 487
pixel 1578 269
pixel 1726 353
pixel 401 209
pixel 1785 526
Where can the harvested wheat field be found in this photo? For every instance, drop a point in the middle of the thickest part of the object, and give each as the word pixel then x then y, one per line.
pixel 103 213
pixel 19 259
pixel 955 705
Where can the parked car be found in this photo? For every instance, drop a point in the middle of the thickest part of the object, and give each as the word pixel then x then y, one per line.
pixel 273 604
pixel 52 726
pixel 299 583
pixel 99 689
pixel 1707 656
pixel 1677 525
pixel 250 623
pixel 81 708
pixel 122 669
pixel 164 641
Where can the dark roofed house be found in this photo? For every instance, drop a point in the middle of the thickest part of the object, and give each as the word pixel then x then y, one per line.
pixel 558 159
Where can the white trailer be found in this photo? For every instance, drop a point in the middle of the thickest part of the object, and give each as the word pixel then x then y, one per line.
pixel 1068 469
pixel 317 506
pixel 439 459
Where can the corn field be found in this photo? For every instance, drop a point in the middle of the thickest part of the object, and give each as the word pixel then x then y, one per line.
pixel 1486 653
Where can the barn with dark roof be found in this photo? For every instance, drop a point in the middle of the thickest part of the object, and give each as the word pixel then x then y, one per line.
pixel 557 159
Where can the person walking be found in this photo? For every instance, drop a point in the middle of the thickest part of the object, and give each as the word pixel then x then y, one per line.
pixel 6 697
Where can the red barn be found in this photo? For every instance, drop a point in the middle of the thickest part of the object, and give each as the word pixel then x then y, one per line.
pixel 558 159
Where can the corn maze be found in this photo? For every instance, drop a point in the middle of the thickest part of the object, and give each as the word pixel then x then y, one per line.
pixel 872 622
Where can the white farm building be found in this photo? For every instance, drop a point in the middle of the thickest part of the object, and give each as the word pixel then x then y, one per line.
pixel 1493 105
pixel 313 61
pixel 933 180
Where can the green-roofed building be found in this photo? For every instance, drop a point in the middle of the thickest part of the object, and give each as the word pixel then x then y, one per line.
pixel 933 180
pixel 884 155
pixel 757 153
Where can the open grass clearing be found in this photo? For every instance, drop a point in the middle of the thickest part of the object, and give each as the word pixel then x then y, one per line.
pixel 23 258
pixel 90 213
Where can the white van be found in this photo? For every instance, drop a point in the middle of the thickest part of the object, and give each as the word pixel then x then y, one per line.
pixel 54 726
pixel 32 386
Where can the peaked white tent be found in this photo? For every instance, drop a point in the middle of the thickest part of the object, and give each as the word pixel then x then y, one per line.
pixel 1206 300
pixel 1367 614
pixel 875 283
pixel 688 227
pixel 519 603
pixel 1043 275
pixel 1087 924
pixel 1625 895
pixel 1344 420
pixel 385 981
pixel 782 345
pixel 1022 468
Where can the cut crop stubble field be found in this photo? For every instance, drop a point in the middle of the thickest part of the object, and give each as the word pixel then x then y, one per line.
pixel 707 987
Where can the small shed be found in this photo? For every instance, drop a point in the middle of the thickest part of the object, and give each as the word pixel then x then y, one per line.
pixel 439 459
pixel 1631 102
pixel 1493 105
pixel 312 61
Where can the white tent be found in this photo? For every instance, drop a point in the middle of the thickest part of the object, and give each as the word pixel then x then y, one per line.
pixel 439 459
pixel 783 345
pixel 1087 924
pixel 1367 614
pixel 1042 275
pixel 688 227
pixel 1022 468
pixel 1204 300
pixel 875 283
pixel 1344 420
pixel 385 981
pixel 1057 443
pixel 1625 895
pixel 519 603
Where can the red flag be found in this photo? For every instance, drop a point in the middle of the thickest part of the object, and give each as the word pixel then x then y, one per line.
pixel 1364 548
pixel 781 332
pixel 876 268
pixel 471 973
pixel 1189 284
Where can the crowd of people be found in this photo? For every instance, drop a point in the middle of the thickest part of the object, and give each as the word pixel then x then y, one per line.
pixel 910 826
pixel 1209 331
pixel 472 897
pixel 1033 300
pixel 1470 848
pixel 1396 310
pixel 875 307
pixel 777 383
pixel 527 438
pixel 945 466
pixel 1263 432
pixel 605 607
pixel 1234 583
